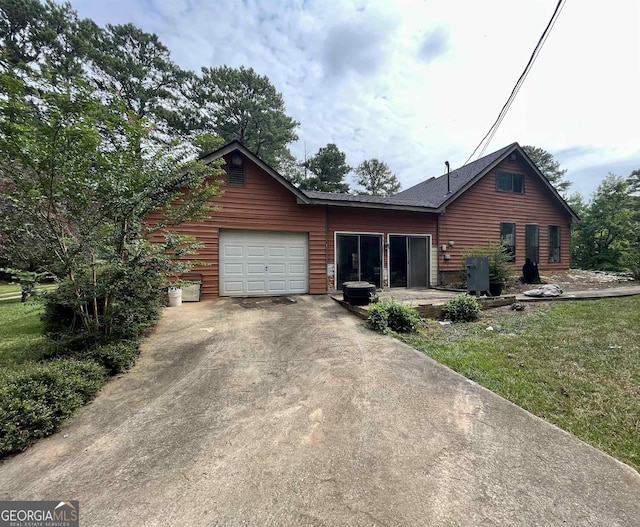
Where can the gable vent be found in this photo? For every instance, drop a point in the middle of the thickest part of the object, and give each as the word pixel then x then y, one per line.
pixel 236 175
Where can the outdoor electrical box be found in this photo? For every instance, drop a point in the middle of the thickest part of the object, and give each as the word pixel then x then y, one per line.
pixel 477 275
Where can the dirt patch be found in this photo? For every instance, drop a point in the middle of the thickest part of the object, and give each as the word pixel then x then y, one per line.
pixel 578 280
pixel 265 302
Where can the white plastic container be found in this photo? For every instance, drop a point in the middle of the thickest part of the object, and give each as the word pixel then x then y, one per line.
pixel 175 296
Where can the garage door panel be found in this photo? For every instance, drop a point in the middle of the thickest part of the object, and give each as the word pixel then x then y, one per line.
pixel 277 286
pixel 233 250
pixel 255 268
pixel 253 250
pixel 257 286
pixel 297 269
pixel 280 268
pixel 233 287
pixel 263 263
pixel 298 286
pixel 231 269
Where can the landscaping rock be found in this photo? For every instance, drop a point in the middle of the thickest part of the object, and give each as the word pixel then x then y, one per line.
pixel 545 291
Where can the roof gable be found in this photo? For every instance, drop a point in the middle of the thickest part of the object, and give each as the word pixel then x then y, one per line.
pixel 443 190
pixel 236 145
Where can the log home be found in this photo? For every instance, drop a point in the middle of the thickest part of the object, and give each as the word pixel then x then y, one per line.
pixel 270 238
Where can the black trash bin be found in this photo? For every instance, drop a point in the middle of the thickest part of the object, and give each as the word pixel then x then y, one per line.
pixel 345 296
pixel 359 293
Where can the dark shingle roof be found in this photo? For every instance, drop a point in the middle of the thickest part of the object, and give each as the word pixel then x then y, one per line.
pixel 372 200
pixel 434 190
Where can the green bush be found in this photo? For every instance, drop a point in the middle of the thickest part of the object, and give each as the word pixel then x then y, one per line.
pixel 631 262
pixel 500 270
pixel 36 398
pixel 114 357
pixel 462 308
pixel 128 301
pixel 378 317
pixel 390 315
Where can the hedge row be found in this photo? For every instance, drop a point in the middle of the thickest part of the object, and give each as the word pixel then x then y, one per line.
pixel 35 398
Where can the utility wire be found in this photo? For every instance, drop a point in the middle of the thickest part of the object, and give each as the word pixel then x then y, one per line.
pixel 543 38
pixel 522 78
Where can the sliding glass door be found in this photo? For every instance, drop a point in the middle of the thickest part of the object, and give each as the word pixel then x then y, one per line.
pixel 409 261
pixel 359 258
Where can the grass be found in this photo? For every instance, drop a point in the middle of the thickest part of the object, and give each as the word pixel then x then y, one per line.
pixel 575 364
pixel 8 291
pixel 21 336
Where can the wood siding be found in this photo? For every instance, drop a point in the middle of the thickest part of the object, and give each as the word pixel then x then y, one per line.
pixel 262 204
pixel 359 220
pixel 476 215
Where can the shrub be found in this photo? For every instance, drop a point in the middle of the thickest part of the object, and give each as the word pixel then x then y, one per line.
pixel 378 318
pixel 36 398
pixel 114 357
pixel 127 299
pixel 390 315
pixel 462 308
pixel 500 269
pixel 631 262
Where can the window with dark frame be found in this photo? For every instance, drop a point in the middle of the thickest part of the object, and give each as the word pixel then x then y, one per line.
pixel 508 239
pixel 532 242
pixel 554 244
pixel 507 182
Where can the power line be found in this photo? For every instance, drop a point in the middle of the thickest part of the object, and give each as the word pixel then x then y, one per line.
pixel 541 41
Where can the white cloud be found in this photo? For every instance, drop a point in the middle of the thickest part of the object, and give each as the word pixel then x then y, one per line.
pixel 416 83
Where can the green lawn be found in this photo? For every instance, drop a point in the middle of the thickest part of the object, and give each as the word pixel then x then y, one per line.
pixel 575 364
pixel 8 291
pixel 20 332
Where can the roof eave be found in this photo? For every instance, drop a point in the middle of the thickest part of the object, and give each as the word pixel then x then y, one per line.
pixel 362 205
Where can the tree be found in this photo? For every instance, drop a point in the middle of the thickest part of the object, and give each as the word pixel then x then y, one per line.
pixel 129 65
pixel 607 229
pixel 549 167
pixel 240 104
pixel 75 171
pixel 36 36
pixel 293 169
pixel 377 179
pixel 634 180
pixel 329 168
pixel 207 143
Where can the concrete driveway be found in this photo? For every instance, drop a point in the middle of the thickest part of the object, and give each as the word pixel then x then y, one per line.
pixel 298 415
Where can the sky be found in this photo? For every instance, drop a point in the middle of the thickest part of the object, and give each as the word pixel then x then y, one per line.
pixel 416 83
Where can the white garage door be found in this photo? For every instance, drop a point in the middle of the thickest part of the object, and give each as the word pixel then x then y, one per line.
pixel 255 263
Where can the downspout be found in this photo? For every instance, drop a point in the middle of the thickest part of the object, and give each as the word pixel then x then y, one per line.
pixel 438 248
pixel 326 248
